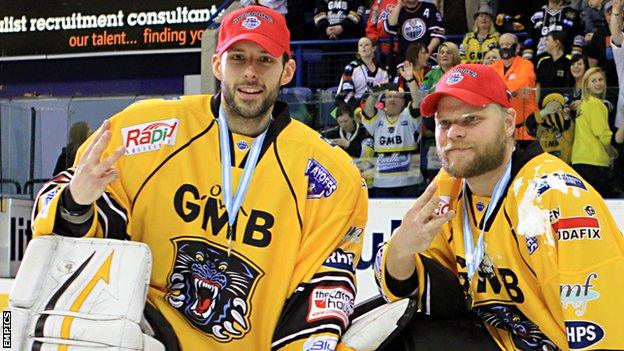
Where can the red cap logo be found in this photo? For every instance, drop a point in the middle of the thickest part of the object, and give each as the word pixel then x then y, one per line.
pixel 258 24
pixel 474 84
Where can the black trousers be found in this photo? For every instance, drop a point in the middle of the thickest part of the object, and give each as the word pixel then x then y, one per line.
pixel 425 333
pixel 597 176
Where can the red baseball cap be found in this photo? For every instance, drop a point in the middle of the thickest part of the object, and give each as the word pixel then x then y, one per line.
pixel 474 84
pixel 259 24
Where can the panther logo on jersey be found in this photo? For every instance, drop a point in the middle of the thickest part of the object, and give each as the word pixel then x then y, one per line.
pixel 525 334
pixel 211 289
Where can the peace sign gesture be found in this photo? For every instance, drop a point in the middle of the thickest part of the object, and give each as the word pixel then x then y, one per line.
pixel 92 173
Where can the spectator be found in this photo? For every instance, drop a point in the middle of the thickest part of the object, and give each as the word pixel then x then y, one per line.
pixel 78 133
pixel 600 51
pixel 448 57
pixel 554 17
pixel 519 77
pixel 483 37
pixel 350 135
pixel 491 56
pixel 379 11
pixel 395 131
pixel 361 75
pixel 592 136
pixel 593 18
pixel 417 56
pixel 415 21
pixel 578 66
pixel 553 71
pixel 553 126
pixel 338 18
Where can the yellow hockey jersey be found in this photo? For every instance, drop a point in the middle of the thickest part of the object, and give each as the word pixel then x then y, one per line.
pixel 552 273
pixel 289 280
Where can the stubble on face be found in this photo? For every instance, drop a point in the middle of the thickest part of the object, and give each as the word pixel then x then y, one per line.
pixel 249 109
pixel 487 157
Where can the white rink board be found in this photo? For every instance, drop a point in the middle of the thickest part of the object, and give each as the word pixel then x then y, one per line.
pixel 383 215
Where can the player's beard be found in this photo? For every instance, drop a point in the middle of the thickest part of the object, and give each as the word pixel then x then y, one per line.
pixel 250 109
pixel 487 157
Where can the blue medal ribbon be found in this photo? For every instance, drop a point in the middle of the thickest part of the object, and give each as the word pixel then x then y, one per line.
pixel 474 254
pixel 233 207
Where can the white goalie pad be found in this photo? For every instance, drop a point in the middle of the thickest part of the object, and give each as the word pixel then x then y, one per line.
pixel 87 294
pixel 370 330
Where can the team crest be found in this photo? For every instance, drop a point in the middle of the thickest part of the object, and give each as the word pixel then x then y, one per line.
pixel 251 22
pixel 211 289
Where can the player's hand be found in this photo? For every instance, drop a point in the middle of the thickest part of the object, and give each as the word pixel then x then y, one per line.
pixel 92 173
pixel 421 224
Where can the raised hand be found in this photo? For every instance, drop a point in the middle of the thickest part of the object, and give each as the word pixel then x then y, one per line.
pixel 421 224
pixel 407 70
pixel 92 173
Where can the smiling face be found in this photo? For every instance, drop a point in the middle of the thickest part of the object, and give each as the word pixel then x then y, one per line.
pixel 445 57
pixel 472 140
pixel 250 78
pixel 577 69
pixel 596 84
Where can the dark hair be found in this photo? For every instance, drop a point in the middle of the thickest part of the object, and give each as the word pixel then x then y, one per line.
pixel 577 57
pixel 411 54
pixel 559 36
pixel 344 109
pixel 285 59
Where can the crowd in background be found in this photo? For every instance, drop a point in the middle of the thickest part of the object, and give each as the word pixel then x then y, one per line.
pixel 562 67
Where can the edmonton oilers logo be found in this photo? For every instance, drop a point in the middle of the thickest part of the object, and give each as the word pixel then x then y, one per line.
pixel 251 22
pixel 454 78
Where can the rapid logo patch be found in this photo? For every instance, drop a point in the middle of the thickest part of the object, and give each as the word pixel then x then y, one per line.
pixel 320 182
pixel 149 136
pixel 212 290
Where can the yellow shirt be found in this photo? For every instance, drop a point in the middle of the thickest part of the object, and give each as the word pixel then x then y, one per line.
pixel 592 134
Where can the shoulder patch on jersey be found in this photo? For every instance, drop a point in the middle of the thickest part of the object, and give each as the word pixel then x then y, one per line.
pixel 211 290
pixel 150 136
pixel 334 302
pixel 559 181
pixel 320 182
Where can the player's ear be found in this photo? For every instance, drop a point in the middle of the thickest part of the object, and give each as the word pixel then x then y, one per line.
pixel 510 122
pixel 289 72
pixel 216 66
